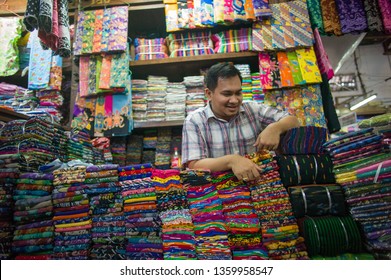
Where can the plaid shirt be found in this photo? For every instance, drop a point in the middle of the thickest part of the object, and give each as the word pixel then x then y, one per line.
pixel 206 136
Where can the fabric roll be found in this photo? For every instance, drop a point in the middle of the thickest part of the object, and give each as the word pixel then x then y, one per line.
pixel 305 169
pixel 317 200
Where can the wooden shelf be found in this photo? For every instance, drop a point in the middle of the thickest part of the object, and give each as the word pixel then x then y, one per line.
pixel 198 58
pixel 8 115
pixel 158 124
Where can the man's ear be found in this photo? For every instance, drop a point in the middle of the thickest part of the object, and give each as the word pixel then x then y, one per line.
pixel 208 93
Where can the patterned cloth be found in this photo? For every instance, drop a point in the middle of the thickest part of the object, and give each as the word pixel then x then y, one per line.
pixel 11 31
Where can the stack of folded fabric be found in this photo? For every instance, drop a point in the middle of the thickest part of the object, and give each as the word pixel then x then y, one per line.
pixel 32 139
pixel 118 150
pixel 176 101
pixel 139 100
pixel 245 72
pixel 177 226
pixel 207 214
pixel 33 212
pixel 71 219
pixel 156 98
pixel 280 232
pixel 243 227
pixel 149 146
pixel 7 185
pixel 142 221
pixel 80 147
pixel 362 168
pixel 106 209
pixel 382 126
pixel 256 87
pixel 134 149
pixel 195 93
pixel 146 49
pixel 163 151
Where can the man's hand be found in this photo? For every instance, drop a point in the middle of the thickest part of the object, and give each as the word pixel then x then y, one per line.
pixel 245 169
pixel 269 138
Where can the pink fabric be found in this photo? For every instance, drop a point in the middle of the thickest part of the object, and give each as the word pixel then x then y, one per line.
pixel 51 40
pixel 385 9
pixel 322 57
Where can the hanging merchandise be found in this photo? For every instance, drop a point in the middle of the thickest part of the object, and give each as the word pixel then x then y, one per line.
pixel 11 31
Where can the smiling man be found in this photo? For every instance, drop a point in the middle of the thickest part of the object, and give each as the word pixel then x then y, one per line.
pixel 217 136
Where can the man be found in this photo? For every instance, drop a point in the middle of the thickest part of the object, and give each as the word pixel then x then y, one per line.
pixel 217 136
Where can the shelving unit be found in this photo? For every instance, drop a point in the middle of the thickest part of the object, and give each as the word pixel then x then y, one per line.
pixel 8 115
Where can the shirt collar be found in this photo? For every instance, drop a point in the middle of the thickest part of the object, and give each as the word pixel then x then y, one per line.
pixel 209 113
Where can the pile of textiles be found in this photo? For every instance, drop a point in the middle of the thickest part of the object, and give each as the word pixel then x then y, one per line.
pixel 134 149
pixel 106 209
pixel 156 98
pixel 118 150
pixel 146 49
pixel 245 72
pixel 381 125
pixel 80 147
pixel 142 221
pixel 363 170
pixel 241 220
pixel 139 100
pixel 103 30
pixel 233 40
pixel 256 87
pixel 280 231
pixel 72 221
pixel 288 27
pixel 31 139
pixel 303 140
pixel 7 94
pixel 8 175
pixel 149 145
pixel 163 148
pixel 176 101
pixel 190 44
pixel 206 210
pixel 195 93
pixel 177 226
pixel 33 212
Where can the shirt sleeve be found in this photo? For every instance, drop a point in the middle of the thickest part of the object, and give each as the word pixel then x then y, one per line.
pixel 268 115
pixel 193 142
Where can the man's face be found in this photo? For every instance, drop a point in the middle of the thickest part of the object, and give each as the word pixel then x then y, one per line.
pixel 226 98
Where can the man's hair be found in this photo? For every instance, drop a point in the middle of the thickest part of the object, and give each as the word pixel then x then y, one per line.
pixel 220 70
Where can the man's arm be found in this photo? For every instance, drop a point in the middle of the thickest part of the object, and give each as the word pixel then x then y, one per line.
pixel 269 138
pixel 243 168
